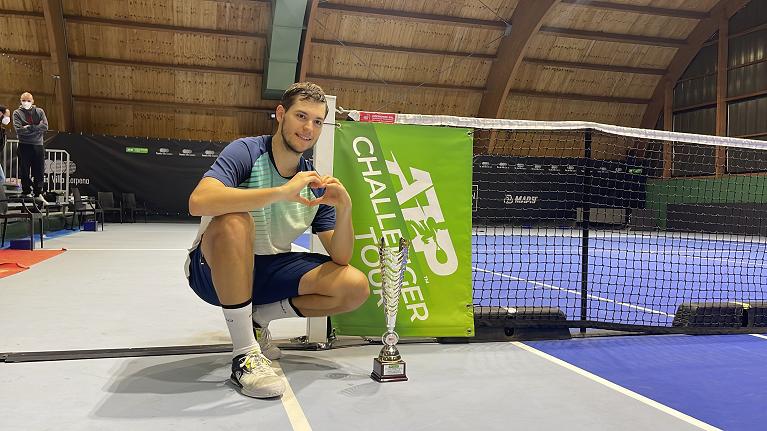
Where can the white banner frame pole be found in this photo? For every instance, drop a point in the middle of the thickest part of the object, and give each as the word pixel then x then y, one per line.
pixel 317 327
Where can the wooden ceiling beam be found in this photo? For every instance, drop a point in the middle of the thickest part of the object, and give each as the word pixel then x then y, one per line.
pixel 759 27
pixel 414 16
pixel 181 67
pixel 722 58
pixel 409 85
pixel 172 105
pixel 10 13
pixel 57 40
pixel 404 50
pixel 592 66
pixel 483 56
pixel 645 10
pixel 581 97
pixel 529 15
pixel 759 93
pixel 26 54
pixel 614 37
pixel 243 1
pixel 162 27
pixel 683 57
pixel 15 95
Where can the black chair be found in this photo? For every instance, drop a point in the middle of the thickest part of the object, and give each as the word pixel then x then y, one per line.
pixel 81 209
pixel 131 207
pixel 107 204
pixel 26 210
pixel 54 205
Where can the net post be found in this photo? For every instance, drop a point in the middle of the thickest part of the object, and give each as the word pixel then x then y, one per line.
pixel 586 202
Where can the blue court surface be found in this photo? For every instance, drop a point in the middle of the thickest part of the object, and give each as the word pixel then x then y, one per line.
pixel 641 278
pixel 718 379
pixel 303 241
pixel 48 235
pixel 636 278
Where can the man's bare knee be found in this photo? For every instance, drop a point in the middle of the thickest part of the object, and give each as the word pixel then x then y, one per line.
pixel 229 229
pixel 357 290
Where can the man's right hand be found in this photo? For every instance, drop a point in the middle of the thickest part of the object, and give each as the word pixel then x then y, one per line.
pixel 292 189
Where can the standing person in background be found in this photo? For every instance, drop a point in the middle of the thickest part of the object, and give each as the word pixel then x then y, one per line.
pixel 5 119
pixel 31 124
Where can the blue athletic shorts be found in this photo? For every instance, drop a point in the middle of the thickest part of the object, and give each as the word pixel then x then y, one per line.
pixel 275 277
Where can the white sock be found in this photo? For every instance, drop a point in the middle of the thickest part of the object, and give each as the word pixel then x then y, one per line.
pixel 240 327
pixel 265 313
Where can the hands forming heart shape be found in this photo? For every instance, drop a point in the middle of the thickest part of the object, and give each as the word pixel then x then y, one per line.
pixel 334 194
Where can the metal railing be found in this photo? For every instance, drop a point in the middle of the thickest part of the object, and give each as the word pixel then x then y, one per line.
pixel 57 168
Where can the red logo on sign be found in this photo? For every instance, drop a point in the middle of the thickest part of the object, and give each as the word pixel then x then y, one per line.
pixel 377 117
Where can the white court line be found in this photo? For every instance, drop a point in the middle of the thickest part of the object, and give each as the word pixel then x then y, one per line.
pixel 759 335
pixel 695 254
pixel 574 250
pixel 577 248
pixel 296 247
pixel 641 398
pixel 733 261
pixel 575 292
pixel 290 403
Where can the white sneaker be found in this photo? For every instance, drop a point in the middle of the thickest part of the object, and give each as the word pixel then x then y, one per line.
pixel 41 200
pixel 264 338
pixel 253 374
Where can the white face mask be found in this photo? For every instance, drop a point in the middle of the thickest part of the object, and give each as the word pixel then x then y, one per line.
pixel 26 105
pixel 6 120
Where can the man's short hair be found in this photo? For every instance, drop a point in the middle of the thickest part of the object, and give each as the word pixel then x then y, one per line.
pixel 2 109
pixel 303 91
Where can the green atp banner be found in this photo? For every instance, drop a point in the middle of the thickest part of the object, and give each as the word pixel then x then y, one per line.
pixel 412 182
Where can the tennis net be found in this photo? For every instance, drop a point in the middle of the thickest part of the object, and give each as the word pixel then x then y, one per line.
pixel 590 225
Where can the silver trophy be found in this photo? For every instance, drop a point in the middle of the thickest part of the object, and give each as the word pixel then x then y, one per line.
pixel 389 366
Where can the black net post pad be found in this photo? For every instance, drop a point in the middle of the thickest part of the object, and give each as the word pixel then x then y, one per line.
pixel 757 313
pixel 493 315
pixel 711 314
pixel 515 324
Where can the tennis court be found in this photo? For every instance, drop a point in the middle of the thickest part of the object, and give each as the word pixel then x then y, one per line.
pixel 669 382
pixel 129 345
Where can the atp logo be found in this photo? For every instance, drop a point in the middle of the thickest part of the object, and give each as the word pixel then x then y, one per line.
pixel 432 236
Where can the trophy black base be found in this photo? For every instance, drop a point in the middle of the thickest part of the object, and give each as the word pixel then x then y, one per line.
pixel 388 371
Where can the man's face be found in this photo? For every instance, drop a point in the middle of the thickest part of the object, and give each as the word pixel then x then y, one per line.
pixel 27 98
pixel 300 126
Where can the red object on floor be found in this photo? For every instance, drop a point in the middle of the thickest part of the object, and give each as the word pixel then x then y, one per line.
pixel 15 261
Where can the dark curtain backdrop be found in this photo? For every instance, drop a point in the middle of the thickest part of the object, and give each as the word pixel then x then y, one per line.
pixel 162 173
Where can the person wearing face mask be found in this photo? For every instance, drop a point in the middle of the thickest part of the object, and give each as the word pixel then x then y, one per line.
pixel 5 119
pixel 31 124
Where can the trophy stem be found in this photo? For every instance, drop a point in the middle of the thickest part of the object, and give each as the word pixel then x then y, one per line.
pixel 390 322
pixel 389 366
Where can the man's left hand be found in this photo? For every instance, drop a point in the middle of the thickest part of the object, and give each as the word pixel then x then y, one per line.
pixel 335 193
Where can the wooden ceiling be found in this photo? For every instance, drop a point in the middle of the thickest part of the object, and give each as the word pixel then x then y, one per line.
pixel 192 69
